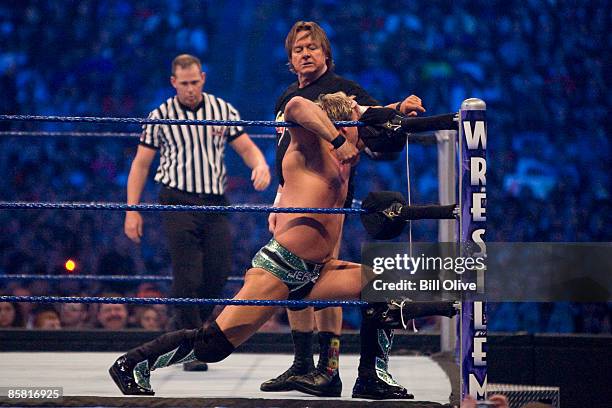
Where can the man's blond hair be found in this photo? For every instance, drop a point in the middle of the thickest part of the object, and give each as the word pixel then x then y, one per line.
pixel 185 61
pixel 338 105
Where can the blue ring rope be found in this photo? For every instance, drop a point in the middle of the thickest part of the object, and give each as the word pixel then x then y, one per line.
pixel 179 301
pixel 4 205
pixel 150 121
pixel 38 133
pixel 103 278
pixel 421 137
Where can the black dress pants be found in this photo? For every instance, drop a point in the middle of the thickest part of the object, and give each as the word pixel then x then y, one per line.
pixel 201 252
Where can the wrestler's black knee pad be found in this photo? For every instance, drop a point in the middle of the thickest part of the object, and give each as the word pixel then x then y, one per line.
pixel 211 345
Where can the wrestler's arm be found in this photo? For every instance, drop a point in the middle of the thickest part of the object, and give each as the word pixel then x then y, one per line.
pixel 272 216
pixel 410 106
pixel 311 117
pixel 313 120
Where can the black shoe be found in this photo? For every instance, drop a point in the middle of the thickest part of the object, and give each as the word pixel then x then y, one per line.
pixel 372 387
pixel 123 375
pixel 280 383
pixel 317 383
pixel 195 366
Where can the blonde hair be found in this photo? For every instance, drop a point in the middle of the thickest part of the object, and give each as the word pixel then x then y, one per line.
pixel 185 61
pixel 317 34
pixel 338 105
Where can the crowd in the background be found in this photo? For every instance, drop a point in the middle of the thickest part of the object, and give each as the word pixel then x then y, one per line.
pixel 538 65
pixel 80 316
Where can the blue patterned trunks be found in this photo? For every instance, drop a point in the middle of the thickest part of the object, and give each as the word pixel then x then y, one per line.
pixel 298 274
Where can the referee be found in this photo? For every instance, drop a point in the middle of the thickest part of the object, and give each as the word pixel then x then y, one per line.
pixel 192 172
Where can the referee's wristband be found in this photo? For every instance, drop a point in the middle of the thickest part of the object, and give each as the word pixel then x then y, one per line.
pixel 338 141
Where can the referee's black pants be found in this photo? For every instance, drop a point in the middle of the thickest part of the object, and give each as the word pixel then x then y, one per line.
pixel 201 252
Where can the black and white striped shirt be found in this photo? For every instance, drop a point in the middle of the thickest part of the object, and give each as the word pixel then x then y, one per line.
pixel 192 157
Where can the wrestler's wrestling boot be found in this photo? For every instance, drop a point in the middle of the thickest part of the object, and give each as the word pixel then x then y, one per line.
pixel 302 363
pixel 318 382
pixel 280 383
pixel 324 380
pixel 374 380
pixel 132 371
pixel 397 313
pixel 124 376
pixel 378 385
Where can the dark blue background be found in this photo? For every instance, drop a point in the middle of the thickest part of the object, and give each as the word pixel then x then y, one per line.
pixel 539 65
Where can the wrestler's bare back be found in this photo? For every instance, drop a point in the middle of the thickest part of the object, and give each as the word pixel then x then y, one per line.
pixel 313 178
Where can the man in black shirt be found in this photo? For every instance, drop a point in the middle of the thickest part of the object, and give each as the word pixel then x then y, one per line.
pixel 310 58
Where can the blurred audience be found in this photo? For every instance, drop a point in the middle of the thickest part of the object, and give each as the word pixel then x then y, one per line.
pixel 74 316
pixel 147 318
pixel 112 316
pixel 45 317
pixel 10 316
pixel 540 69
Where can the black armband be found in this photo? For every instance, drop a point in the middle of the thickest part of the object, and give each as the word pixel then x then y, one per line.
pixel 338 141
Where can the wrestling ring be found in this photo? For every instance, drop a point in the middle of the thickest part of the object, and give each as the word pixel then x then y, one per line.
pixel 83 375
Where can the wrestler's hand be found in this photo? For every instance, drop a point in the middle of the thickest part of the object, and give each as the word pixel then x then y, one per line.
pixel 260 176
pixel 347 153
pixel 412 106
pixel 272 222
pixel 133 225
